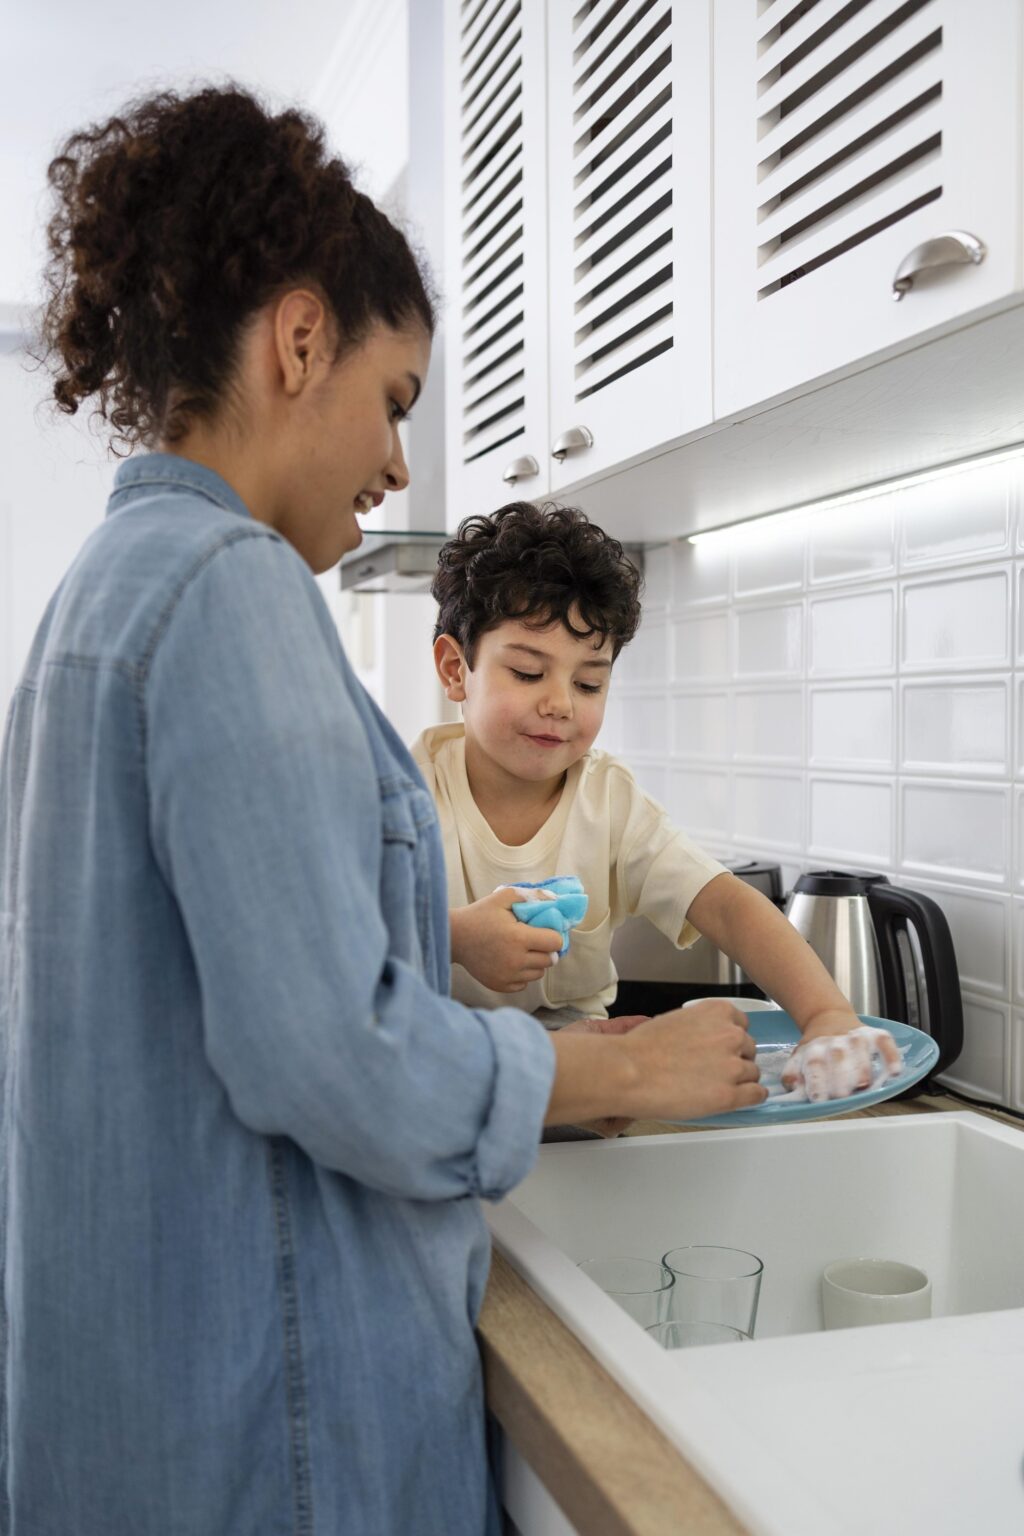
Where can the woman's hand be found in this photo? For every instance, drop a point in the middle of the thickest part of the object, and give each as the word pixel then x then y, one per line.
pixel 495 948
pixel 681 1065
pixel 610 1125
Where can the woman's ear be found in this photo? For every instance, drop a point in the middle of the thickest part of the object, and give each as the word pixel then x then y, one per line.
pixel 451 667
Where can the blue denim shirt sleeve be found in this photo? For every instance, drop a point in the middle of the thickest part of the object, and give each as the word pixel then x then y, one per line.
pixel 266 819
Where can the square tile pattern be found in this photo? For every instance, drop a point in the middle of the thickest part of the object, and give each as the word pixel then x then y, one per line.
pixel 849 690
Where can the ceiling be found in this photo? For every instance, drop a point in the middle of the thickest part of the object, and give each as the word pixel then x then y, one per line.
pixel 65 64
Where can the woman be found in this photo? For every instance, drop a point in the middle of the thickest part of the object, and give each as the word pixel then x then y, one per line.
pixel 244 1129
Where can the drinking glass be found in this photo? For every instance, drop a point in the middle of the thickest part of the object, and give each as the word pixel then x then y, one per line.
pixel 641 1287
pixel 689 1335
pixel 714 1285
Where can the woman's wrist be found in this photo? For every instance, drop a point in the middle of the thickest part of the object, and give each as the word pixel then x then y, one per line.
pixel 595 1076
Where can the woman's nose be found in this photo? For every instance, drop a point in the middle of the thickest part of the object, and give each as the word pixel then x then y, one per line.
pixel 397 472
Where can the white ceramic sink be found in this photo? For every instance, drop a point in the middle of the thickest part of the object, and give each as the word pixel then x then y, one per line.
pixel 904 1428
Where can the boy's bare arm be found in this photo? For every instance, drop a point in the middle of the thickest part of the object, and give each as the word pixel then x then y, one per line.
pixel 754 933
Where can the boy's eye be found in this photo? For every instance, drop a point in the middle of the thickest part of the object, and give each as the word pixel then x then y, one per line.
pixel 399 413
pixel 525 677
pixel 589 687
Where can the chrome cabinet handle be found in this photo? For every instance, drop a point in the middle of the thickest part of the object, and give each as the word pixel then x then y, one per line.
pixel 955 248
pixel 520 469
pixel 573 441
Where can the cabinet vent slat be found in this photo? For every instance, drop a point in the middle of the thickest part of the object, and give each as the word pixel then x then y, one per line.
pixel 505 70
pixel 853 177
pixel 623 177
pixel 477 47
pixel 632 43
pixel 504 348
pixel 883 111
pixel 491 335
pixel 592 21
pixel 798 75
pixel 849 111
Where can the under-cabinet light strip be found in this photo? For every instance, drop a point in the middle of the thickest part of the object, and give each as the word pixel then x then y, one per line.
pixel 769 521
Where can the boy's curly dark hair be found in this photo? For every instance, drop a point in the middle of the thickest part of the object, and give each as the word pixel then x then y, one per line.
pixel 541 565
pixel 176 221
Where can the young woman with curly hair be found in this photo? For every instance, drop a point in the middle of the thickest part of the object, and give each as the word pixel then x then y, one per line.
pixel 244 1128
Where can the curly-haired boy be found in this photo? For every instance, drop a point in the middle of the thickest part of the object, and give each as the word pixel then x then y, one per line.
pixel 535 605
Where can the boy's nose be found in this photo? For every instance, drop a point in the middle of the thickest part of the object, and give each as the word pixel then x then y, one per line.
pixel 557 703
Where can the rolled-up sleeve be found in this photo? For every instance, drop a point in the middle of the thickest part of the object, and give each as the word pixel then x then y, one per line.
pixel 265 819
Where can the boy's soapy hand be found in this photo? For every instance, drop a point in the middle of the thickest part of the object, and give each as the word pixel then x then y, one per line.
pixel 837 1056
pixel 501 953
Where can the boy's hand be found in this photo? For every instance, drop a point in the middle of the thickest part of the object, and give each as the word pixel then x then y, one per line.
pixel 495 948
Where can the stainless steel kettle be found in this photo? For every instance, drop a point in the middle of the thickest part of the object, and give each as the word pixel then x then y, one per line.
pixel 889 949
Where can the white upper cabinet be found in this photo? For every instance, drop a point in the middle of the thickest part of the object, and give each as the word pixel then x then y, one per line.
pixel 495 254
pixel 629 334
pixel 861 146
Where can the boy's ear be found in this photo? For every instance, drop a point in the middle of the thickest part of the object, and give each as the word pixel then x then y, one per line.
pixel 451 667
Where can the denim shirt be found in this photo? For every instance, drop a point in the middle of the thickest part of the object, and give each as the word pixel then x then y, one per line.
pixel 244 1129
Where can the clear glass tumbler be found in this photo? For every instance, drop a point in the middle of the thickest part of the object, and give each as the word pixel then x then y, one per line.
pixel 714 1285
pixel 641 1287
pixel 690 1335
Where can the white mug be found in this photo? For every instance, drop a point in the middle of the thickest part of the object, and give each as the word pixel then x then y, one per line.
pixel 744 1004
pixel 858 1292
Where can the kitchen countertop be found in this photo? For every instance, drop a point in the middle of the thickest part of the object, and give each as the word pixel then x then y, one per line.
pixel 605 1463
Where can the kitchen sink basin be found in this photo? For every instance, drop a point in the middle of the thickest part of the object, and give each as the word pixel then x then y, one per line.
pixel 930 1412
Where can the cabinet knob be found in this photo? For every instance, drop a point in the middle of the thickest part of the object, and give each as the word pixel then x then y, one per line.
pixel 953 249
pixel 573 441
pixel 520 469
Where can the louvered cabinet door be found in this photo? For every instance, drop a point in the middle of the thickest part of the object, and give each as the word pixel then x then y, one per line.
pixel 629 121
pixel 495 254
pixel 850 137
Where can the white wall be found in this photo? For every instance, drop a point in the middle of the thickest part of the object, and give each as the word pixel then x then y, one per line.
pixel 848 690
pixel 54 483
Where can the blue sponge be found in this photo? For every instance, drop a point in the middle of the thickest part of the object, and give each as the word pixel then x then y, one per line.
pixel 565 907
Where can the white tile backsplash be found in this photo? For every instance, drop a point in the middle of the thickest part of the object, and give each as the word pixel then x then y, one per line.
pixel 965 516
pixel 701 724
pixel 858 699
pixel 982 1069
pixel 957 621
pixel 769 724
pixel 852 820
pixel 768 809
pixel 700 648
pixel 768 562
pixel 769 641
pixel 852 726
pixel 645 659
pixel 960 828
pixel 853 635
pixel 852 543
pixel 957 726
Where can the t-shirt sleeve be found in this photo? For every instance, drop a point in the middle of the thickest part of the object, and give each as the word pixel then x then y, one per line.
pixel 660 870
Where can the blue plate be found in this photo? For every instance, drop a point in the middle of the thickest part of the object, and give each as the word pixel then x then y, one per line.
pixel 776 1030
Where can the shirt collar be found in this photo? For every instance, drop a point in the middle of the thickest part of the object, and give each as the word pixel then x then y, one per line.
pixel 137 476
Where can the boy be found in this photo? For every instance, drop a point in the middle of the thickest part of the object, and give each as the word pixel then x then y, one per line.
pixel 534 607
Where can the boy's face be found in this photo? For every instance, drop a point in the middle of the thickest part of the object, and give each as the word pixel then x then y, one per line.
pixel 534 699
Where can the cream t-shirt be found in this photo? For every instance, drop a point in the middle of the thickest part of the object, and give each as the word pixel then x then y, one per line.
pixel 620 842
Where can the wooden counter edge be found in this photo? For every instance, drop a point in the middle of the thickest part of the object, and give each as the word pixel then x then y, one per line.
pixel 611 1471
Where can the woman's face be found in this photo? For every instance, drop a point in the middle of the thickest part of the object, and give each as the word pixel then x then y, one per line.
pixel 346 453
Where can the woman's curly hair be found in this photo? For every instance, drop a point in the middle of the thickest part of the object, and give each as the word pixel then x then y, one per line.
pixel 540 565
pixel 175 222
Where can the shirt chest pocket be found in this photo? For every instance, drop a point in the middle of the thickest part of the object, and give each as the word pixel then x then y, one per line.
pixel 586 969
pixel 412 872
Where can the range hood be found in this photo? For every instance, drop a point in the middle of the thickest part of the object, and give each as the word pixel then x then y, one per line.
pixel 404 561
pixel 392 561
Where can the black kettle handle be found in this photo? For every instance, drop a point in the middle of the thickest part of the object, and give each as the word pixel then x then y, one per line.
pixel 938 957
